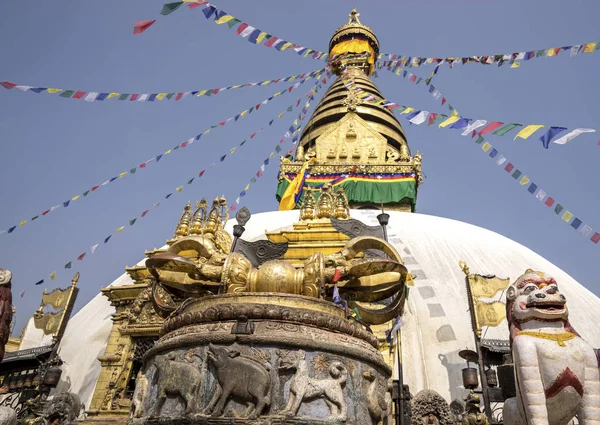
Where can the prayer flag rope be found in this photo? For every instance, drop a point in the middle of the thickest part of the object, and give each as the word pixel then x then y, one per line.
pixel 293 133
pixel 468 125
pixel 500 59
pixel 147 97
pixel 523 179
pixel 179 189
pixel 158 157
pixel 244 30
pixel 534 190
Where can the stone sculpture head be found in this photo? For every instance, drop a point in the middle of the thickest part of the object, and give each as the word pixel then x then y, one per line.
pixel 219 356
pixel 535 296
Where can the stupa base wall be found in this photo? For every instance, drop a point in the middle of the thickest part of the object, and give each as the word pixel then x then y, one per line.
pixel 259 368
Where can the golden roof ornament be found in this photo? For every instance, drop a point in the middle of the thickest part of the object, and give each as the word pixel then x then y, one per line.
pixel 199 217
pixel 184 221
pixel 341 211
pixel 352 101
pixel 354 17
pixel 308 209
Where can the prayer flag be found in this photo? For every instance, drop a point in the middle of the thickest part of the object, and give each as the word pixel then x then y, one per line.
pixel 528 131
pixel 493 153
pixel 509 167
pixel 81 257
pixel 508 127
pixel 132 221
pixel 558 208
pixel 94 248
pixel 540 195
pixel 169 8
pixel 549 202
pixel 449 121
pixel 571 135
pixel 589 47
pixel 595 237
pixel 179 189
pixel 40 282
pixel 419 118
pixel 142 26
pixel 53 275
pixel 486 147
pixel 473 126
pixel 501 160
pixel 567 216
pixel 68 265
pixel 532 188
pixel 524 180
pixel 22 223
pixel 106 240
pixel 576 223
pixel 490 127
pixel 461 123
pixel 586 230
pixel 517 173
pixel 552 131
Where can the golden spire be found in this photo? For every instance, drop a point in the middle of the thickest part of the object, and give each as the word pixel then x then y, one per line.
pixel 354 17
pixel 184 221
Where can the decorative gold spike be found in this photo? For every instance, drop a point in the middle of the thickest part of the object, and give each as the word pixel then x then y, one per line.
pixel 184 221
pixel 354 17
pixel 199 217
pixel 75 279
pixel 341 205
pixel 463 266
pixel 326 202
pixel 307 210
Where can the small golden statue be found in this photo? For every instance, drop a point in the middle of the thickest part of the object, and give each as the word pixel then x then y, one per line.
pixel 307 210
pixel 341 205
pixel 326 203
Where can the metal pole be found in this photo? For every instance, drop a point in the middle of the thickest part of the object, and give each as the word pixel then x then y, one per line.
pixel 401 420
pixel 484 385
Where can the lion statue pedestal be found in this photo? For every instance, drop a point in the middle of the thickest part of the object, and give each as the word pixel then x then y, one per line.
pixel 261 358
pixel 557 372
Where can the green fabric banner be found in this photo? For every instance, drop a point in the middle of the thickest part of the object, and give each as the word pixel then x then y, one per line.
pixel 364 191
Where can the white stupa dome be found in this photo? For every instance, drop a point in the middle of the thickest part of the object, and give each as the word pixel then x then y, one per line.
pixel 437 323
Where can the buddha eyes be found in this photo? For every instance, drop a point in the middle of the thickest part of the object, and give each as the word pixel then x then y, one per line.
pixel 530 288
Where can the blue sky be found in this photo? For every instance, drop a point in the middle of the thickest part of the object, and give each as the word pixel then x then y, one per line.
pixel 53 148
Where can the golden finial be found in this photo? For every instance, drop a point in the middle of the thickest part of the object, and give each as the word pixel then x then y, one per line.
pixel 214 217
pixel 307 210
pixel 184 221
pixel 75 279
pixel 326 203
pixel 354 17
pixel 463 266
pixel 341 205
pixel 199 217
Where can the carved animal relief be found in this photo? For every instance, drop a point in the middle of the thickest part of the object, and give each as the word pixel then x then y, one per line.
pixel 304 388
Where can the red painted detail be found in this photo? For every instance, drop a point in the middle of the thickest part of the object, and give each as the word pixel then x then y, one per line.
pixel 566 379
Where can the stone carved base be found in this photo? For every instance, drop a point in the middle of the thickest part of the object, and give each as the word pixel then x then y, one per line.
pixel 280 372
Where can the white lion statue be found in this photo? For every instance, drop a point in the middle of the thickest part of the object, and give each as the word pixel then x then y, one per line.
pixel 556 372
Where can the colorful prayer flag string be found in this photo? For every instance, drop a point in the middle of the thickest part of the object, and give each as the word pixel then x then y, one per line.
pixel 244 30
pixel 179 189
pixel 515 173
pixel 158 157
pixel 457 122
pixel 500 59
pixel 147 97
pixel 291 133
